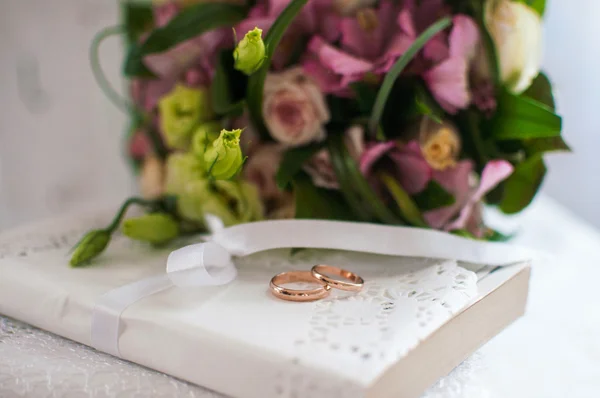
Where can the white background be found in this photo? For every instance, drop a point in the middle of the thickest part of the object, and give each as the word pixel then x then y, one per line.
pixel 61 141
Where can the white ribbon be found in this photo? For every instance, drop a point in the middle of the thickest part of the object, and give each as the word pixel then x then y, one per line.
pixel 210 263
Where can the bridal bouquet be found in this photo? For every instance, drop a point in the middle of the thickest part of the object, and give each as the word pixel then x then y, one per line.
pixel 402 112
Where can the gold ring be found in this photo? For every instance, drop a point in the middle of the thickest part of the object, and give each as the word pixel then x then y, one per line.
pixel 298 294
pixel 354 282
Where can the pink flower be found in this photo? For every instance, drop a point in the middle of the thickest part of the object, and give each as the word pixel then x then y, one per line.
pixel 139 145
pixel 371 41
pixel 146 93
pixel 447 58
pixel 449 79
pixel 199 52
pixel 294 108
pixel 163 13
pixel 407 165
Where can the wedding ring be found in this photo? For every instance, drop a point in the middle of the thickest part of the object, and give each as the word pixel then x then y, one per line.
pixel 298 294
pixel 354 283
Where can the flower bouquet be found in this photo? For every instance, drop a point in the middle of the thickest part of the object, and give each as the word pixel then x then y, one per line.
pixel 400 112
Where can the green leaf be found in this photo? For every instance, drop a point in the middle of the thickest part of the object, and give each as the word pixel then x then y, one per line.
pixel 398 67
pixel 318 203
pixel 137 18
pixel 256 82
pixel 542 145
pixel 538 6
pixel 433 197
pixel 520 188
pixel 496 236
pixel 224 98
pixel 519 118
pixel 365 96
pixel 347 188
pixel 427 106
pixel 292 163
pixel 541 91
pixel 186 25
pixel 408 208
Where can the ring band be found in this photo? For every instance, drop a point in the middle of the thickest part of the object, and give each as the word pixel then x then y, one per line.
pixel 297 294
pixel 354 282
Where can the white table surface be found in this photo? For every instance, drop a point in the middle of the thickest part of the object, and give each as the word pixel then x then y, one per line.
pixel 554 351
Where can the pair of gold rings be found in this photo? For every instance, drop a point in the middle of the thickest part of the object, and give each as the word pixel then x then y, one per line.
pixel 317 275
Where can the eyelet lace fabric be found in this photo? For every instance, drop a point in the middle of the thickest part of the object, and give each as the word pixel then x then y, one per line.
pixel 34 363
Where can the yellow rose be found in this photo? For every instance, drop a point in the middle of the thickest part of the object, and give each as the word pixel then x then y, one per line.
pixel 440 143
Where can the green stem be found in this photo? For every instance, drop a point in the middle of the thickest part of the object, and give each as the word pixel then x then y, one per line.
pixel 476 139
pixel 125 206
pixel 352 198
pixel 359 189
pixel 396 70
pixel 254 95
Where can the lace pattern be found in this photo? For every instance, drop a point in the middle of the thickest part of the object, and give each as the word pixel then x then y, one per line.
pixel 35 363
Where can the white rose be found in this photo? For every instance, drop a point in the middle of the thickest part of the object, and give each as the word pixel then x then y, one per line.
pixel 294 108
pixel 516 30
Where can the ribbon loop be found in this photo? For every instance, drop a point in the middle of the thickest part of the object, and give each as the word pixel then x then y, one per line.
pixel 201 264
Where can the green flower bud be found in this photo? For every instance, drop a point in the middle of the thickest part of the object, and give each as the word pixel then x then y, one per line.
pixel 232 201
pixel 91 245
pixel 204 135
pixel 249 54
pixel 180 111
pixel 183 168
pixel 155 228
pixel 224 158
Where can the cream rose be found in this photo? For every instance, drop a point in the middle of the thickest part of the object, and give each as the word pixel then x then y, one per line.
pixel 516 30
pixel 440 143
pixel 152 178
pixel 294 108
pixel 261 169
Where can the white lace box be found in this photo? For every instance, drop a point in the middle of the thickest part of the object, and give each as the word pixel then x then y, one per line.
pixel 413 322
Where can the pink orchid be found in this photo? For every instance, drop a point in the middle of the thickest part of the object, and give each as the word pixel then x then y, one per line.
pixel 316 17
pixel 448 80
pixel 371 41
pixel 446 58
pixel 407 165
pixel 164 13
pixel 198 52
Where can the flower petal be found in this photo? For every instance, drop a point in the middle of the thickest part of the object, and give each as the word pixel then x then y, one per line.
pixel 449 85
pixel 412 171
pixel 464 38
pixel 373 154
pixel 455 180
pixel 493 173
